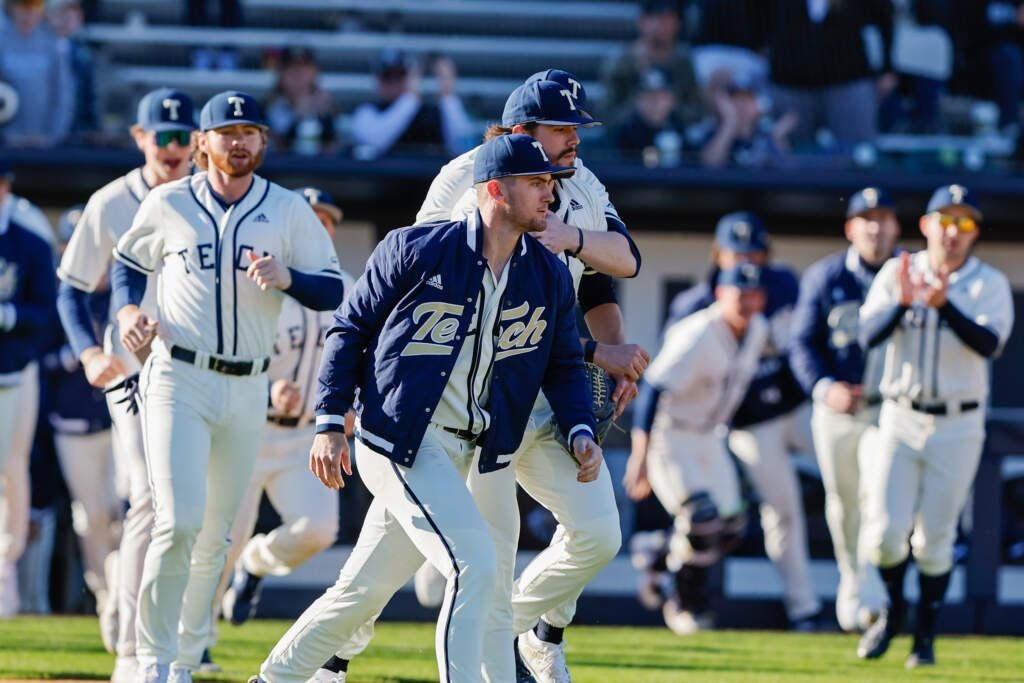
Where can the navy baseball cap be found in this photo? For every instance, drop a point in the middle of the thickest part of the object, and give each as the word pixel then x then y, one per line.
pixel 742 232
pixel 229 108
pixel 547 102
pixel 744 276
pixel 320 199
pixel 392 62
pixel 568 81
pixel 954 195
pixel 867 199
pixel 166 109
pixel 514 155
pixel 68 220
pixel 6 172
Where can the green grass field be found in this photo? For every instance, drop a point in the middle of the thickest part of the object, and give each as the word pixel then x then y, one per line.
pixel 69 648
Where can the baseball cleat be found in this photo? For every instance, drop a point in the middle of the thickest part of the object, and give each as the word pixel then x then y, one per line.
pixel 875 641
pixel 255 679
pixel 546 661
pixel 922 654
pixel 523 674
pixel 328 676
pixel 242 596
pixel 207 665
pixel 683 622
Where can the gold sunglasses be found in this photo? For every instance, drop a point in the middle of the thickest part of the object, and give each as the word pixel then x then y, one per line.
pixel 962 223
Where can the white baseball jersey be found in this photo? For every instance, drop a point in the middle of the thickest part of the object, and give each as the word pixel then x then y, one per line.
pixel 86 261
pixel 198 251
pixel 924 359
pixel 703 370
pixel 298 345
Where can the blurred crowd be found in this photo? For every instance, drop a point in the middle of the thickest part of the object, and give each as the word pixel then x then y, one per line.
pixel 746 83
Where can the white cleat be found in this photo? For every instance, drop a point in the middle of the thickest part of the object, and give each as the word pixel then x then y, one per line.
pixel 328 676
pixel 179 675
pixel 125 670
pixel 546 661
pixel 430 585
pixel 684 622
pixel 154 673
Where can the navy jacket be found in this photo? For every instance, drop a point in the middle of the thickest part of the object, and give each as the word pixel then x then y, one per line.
pixel 825 321
pixel 379 343
pixel 28 285
pixel 773 391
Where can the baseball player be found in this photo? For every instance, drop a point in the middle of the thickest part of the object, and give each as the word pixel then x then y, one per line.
pixel 771 420
pixel 81 425
pixel 843 382
pixel 938 315
pixel 224 246
pixel 309 512
pixel 588 537
pixel 162 132
pixel 692 388
pixel 452 325
pixel 27 314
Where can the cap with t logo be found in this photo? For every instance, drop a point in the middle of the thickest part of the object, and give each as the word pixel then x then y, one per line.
pixel 230 108
pixel 547 102
pixel 166 109
pixel 514 155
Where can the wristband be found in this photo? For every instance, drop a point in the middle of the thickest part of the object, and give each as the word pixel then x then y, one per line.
pixel 588 350
pixel 579 247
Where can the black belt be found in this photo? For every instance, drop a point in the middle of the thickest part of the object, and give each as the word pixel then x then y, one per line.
pixel 221 365
pixel 873 401
pixel 463 434
pixel 283 421
pixel 942 408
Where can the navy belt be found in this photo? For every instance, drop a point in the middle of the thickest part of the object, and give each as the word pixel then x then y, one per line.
pixel 221 365
pixel 942 408
pixel 463 434
pixel 283 420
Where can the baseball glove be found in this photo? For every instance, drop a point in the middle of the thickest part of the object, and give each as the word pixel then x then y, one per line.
pixel 601 388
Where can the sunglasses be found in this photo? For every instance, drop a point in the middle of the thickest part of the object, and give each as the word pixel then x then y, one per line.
pixel 166 137
pixel 962 223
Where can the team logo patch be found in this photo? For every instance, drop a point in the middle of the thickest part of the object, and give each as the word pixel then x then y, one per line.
pixel 574 205
pixel 261 218
pixel 8 279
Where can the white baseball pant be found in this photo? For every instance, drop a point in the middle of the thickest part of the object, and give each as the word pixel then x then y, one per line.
pixel 840 441
pixel 423 511
pixel 202 432
pixel 88 467
pixel 14 505
pixel 129 454
pixel 682 463
pixel 920 475
pixel 586 539
pixel 764 449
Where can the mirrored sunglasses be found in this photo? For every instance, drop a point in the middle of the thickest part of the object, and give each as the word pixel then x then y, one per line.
pixel 962 223
pixel 166 137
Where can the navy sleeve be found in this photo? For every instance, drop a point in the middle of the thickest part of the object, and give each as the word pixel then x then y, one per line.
pixel 980 338
pixel 37 314
pixel 596 289
pixel 646 406
pixel 73 308
pixel 565 381
pixel 127 286
pixel 879 329
pixel 615 224
pixel 356 322
pixel 317 292
pixel 809 333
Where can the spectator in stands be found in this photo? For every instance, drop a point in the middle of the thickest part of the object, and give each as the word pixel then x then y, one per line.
pixel 655 126
pixel 33 63
pixel 197 14
pixel 737 23
pixel 402 121
pixel 739 132
pixel 66 17
pixel 300 112
pixel 657 44
pixel 1006 30
pixel 821 69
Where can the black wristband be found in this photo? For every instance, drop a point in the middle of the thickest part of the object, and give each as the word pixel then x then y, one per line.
pixel 588 350
pixel 579 247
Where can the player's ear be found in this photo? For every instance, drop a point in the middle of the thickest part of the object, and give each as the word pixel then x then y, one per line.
pixel 923 224
pixel 495 190
pixel 848 230
pixel 519 129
